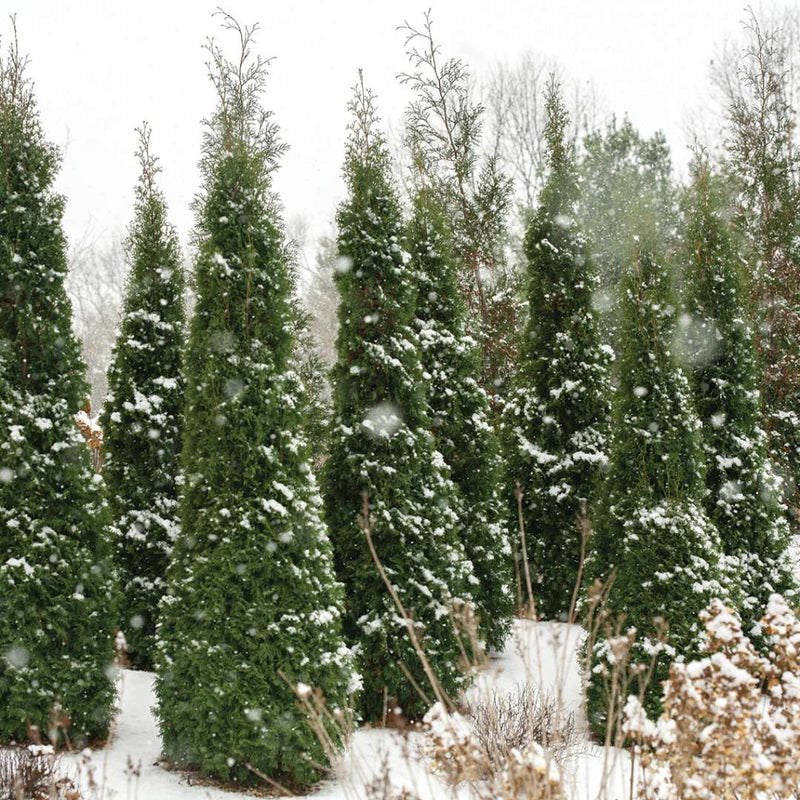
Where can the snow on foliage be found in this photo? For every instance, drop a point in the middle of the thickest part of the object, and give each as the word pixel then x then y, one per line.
pixel 56 627
pixel 652 543
pixel 555 423
pixel 142 415
pixel 413 504
pixel 460 413
pixel 253 608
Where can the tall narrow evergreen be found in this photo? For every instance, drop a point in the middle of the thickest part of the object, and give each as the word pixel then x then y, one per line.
pixel 381 447
pixel 253 608
pixel 764 162
pixel 556 420
pixel 142 415
pixel 744 496
pixel 652 538
pixel 459 412
pixel 622 176
pixel 56 621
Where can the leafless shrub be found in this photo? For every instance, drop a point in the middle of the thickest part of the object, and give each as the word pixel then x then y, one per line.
pixel 513 721
pixel 33 773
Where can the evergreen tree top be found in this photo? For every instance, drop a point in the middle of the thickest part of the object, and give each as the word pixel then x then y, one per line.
pixel 439 299
pixel 365 148
pixel 37 346
pixel 245 271
pixel 240 126
pixel 561 189
pixel 18 109
pixel 152 243
pixel 656 427
pixel 717 289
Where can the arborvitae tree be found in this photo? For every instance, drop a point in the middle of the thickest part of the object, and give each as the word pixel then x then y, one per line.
pixel 556 420
pixel 744 496
pixel 444 129
pixel 765 164
pixel 623 177
pixel 652 540
pixel 459 411
pixel 253 608
pixel 143 413
pixel 381 448
pixel 56 616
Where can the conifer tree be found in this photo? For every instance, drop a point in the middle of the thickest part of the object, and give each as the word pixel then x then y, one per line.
pixel 253 609
pixel 56 620
pixel 444 130
pixel 623 177
pixel 142 415
pixel 381 447
pixel 459 411
pixel 556 420
pixel 652 540
pixel 744 495
pixel 764 163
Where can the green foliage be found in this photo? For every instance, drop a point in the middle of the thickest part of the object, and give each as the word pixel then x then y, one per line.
pixel 56 625
pixel 743 497
pixel 142 415
pixel 381 446
pixel 765 167
pixel 459 410
pixel 624 179
pixel 652 539
pixel 556 419
pixel 253 607
pixel 444 132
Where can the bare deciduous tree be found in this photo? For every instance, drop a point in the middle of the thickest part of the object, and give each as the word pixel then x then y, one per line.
pixel 95 284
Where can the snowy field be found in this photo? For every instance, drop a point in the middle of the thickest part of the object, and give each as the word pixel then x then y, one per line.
pixel 542 655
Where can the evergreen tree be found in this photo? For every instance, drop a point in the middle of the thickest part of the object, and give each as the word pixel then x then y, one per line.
pixel 744 496
pixel 253 609
pixel 381 447
pixel 556 420
pixel 142 415
pixel 764 162
pixel 445 129
pixel 652 540
pixel 56 620
pixel 459 411
pixel 624 178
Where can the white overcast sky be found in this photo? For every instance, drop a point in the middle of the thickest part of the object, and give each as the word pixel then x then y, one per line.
pixel 101 67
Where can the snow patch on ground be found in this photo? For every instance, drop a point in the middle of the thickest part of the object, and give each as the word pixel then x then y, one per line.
pixel 544 654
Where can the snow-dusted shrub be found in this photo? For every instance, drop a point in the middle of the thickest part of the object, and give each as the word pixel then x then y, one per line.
pixel 143 413
pixel 56 593
pixel 253 608
pixel 382 450
pixel 460 415
pixel 556 419
pixel 721 735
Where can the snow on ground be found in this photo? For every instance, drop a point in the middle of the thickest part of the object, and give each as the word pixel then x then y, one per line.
pixel 542 654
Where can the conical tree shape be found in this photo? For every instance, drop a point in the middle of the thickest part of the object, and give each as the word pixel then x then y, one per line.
pixel 744 495
pixel 253 608
pixel 556 421
pixel 459 411
pixel 56 617
pixel 143 413
pixel 381 447
pixel 652 539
